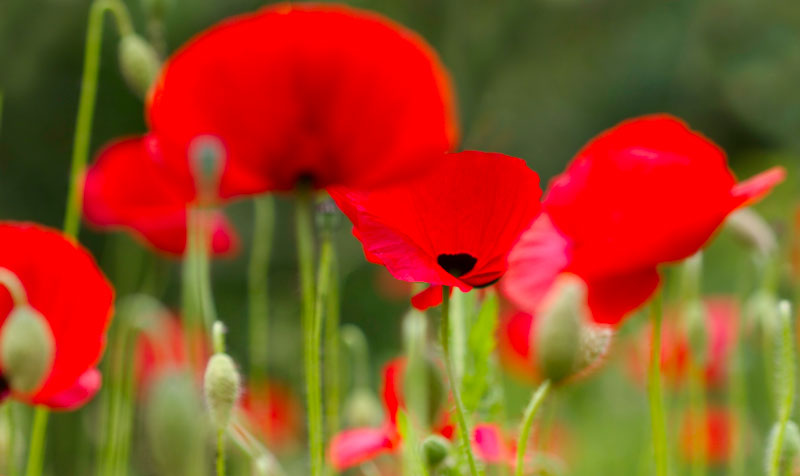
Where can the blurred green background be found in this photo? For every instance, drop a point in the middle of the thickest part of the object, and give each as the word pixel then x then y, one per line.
pixel 535 79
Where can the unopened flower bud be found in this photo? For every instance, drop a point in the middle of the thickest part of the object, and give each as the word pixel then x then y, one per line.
pixel 27 349
pixel 435 449
pixel 176 434
pixel 222 384
pixel 594 345
pixel 138 62
pixel 558 328
pixel 362 409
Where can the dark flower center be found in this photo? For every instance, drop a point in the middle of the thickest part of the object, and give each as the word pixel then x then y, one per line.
pixel 5 389
pixel 458 265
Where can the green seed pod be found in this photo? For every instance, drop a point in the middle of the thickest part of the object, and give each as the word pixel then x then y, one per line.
pixel 222 384
pixel 558 330
pixel 138 63
pixel 362 408
pixel 27 349
pixel 435 450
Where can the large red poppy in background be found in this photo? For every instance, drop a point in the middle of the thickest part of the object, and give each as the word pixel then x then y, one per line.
pixel 64 284
pixel 646 192
pixel 293 94
pixel 452 227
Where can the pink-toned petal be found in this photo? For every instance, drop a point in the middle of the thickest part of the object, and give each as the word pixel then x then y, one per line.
pixel 352 447
pixel 488 443
pixel 753 189
pixel 84 389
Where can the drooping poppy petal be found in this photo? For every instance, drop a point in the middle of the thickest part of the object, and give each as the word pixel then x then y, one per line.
pixel 646 192
pixel 325 93
pixel 352 447
pixel 130 187
pixel 64 284
pixel 455 226
pixel 428 297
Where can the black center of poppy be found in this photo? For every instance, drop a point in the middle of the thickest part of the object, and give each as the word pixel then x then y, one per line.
pixel 5 389
pixel 457 265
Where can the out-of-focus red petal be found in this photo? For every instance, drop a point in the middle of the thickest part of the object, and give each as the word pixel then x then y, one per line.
pixel 708 435
pixel 352 447
pixel 645 192
pixel 489 445
pixel 65 285
pixel 76 396
pixel 612 298
pixel 723 320
pixel 428 297
pixel 534 263
pixel 755 188
pixel 130 187
pixel 329 93
pixel 473 205
pixel 515 344
pixel 274 412
pixel 393 398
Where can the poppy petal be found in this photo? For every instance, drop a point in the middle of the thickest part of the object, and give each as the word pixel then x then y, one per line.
pixel 321 92
pixel 428 298
pixel 488 444
pixel 76 396
pixel 129 187
pixel 454 226
pixel 65 285
pixel 753 189
pixel 612 298
pixel 352 447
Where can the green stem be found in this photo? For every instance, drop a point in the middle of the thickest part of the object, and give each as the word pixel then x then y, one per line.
pixel 83 127
pixel 332 342
pixel 37 444
pixel 353 338
pixel 738 394
pixel 697 405
pixel 463 428
pixel 11 458
pixel 527 423
pixel 258 285
pixel 786 386
pixel 311 327
pixel 655 393
pixel 221 452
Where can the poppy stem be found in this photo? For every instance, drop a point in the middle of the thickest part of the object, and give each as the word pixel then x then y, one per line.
pixel 258 285
pixel 537 399
pixel 697 404
pixel 83 127
pixel 332 337
pixel 37 444
pixel 785 387
pixel 311 323
pixel 221 452
pixel 656 398
pixel 11 455
pixel 463 427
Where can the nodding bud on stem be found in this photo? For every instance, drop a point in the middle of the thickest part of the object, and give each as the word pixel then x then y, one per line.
pixel 435 450
pixel 752 230
pixel 138 62
pixel 27 349
pixel 222 382
pixel 565 342
pixel 206 162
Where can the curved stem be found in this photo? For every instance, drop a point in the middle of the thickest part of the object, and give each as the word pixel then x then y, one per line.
pixel 258 285
pixel 463 427
pixel 10 281
pixel 311 327
pixel 527 423
pixel 36 450
pixel 83 124
pixel 656 398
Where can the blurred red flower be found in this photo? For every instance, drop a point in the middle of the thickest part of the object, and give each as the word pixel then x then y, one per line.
pixel 646 192
pixel 274 413
pixel 722 320
pixel 64 284
pixel 451 227
pixel 708 436
pixel 324 94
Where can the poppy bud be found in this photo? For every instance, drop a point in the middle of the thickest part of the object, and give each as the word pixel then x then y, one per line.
pixel 435 449
pixel 176 434
pixel 594 344
pixel 207 162
pixel 27 348
pixel 791 446
pixel 222 385
pixel 138 63
pixel 558 330
pixel 362 408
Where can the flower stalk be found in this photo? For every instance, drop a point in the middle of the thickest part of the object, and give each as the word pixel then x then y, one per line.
pixel 785 386
pixel 527 423
pixel 657 418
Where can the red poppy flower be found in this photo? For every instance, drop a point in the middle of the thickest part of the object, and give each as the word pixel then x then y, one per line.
pixel 451 227
pixel 722 317
pixel 274 412
pixel 647 192
pixel 357 445
pixel 494 446
pixel 709 435
pixel 324 94
pixel 64 284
